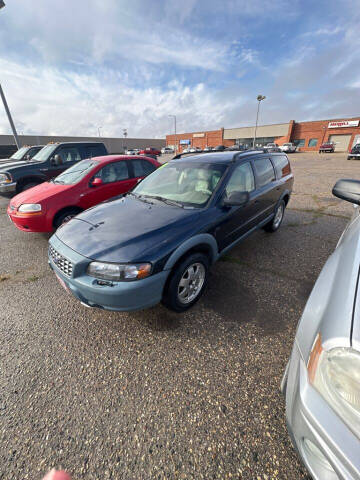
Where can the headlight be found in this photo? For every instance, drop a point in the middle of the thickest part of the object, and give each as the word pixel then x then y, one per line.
pixel 30 208
pixel 119 272
pixel 337 379
pixel 5 178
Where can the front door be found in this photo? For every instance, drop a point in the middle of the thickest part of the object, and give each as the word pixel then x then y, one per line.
pixel 69 156
pixel 115 181
pixel 239 219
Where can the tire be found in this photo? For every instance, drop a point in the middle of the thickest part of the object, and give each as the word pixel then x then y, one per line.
pixel 275 223
pixel 27 186
pixel 182 297
pixel 64 217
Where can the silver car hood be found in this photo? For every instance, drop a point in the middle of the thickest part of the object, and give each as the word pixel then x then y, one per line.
pixel 330 307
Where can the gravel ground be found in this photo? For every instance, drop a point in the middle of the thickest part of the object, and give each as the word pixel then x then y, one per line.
pixel 154 394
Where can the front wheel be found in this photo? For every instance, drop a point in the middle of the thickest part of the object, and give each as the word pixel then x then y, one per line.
pixel 187 283
pixel 64 218
pixel 275 223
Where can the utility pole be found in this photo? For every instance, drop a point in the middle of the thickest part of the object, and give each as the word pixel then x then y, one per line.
pixel 259 99
pixel 7 110
pixel 174 117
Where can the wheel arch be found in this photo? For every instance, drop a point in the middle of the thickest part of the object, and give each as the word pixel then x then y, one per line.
pixel 203 242
pixel 69 208
pixel 28 179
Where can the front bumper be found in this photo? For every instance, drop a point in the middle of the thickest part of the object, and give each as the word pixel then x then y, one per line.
pixel 329 450
pixel 117 296
pixel 35 223
pixel 353 155
pixel 7 187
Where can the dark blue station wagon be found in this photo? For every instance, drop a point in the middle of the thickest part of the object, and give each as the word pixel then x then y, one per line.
pixel 158 242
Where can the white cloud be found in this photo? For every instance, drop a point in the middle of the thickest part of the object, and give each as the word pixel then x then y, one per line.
pixel 47 101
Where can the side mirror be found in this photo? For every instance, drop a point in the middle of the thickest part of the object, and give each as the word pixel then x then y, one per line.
pixel 348 190
pixel 236 199
pixel 97 182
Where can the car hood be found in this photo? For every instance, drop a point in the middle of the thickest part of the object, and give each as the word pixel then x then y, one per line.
pixel 13 164
pixel 39 193
pixel 128 230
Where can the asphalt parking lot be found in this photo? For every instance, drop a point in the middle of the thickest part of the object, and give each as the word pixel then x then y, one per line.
pixel 154 394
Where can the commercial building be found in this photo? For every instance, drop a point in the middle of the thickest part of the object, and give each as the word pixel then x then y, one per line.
pixel 113 145
pixel 308 136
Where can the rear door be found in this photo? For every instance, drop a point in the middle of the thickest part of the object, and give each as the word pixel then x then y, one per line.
pixel 70 154
pixel 116 181
pixel 239 219
pixel 140 168
pixel 268 189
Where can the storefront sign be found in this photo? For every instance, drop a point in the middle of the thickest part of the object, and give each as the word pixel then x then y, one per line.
pixel 344 123
pixel 198 135
pixel 185 142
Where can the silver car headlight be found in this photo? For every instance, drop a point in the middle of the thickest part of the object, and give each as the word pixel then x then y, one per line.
pixel 29 208
pixel 5 178
pixel 119 272
pixel 337 379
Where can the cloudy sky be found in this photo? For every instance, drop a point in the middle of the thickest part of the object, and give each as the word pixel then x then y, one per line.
pixel 68 67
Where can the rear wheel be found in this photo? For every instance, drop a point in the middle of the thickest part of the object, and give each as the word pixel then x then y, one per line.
pixel 277 220
pixel 187 283
pixel 64 217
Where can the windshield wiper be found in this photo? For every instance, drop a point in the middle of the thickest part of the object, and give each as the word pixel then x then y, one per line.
pixel 167 200
pixel 142 198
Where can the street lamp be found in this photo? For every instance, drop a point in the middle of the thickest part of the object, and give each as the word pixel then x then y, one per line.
pixel 174 117
pixel 259 99
pixel 7 110
pixel 99 128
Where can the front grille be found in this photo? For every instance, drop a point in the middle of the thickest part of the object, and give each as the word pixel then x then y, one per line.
pixel 61 262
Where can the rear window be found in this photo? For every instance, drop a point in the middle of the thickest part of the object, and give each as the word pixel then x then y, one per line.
pixel 282 165
pixel 264 171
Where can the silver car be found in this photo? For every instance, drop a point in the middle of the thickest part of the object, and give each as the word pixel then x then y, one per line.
pixel 322 378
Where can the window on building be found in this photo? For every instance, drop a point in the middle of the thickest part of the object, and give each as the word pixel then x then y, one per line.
pixel 300 143
pixel 282 165
pixel 312 142
pixel 264 171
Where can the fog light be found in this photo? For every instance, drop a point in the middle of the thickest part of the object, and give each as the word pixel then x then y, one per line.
pixel 315 453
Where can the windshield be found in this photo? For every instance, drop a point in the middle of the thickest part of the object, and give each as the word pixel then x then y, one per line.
pixel 44 153
pixel 75 173
pixel 186 184
pixel 19 154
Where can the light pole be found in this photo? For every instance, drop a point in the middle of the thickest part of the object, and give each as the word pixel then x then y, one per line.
pixel 7 110
pixel 259 99
pixel 124 136
pixel 174 117
pixel 99 128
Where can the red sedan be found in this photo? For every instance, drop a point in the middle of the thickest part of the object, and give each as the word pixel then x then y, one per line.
pixel 47 206
pixel 150 151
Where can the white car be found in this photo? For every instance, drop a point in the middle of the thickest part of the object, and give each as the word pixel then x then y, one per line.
pixel 166 150
pixel 271 145
pixel 130 151
pixel 288 147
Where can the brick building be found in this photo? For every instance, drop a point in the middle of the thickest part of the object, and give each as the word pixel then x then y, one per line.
pixel 308 136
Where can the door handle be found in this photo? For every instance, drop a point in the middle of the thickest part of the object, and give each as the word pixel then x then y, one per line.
pixel 43 169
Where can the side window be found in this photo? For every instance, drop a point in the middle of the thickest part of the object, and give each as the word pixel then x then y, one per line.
pixel 142 168
pixel 94 151
pixel 241 180
pixel 113 172
pixel 264 171
pixel 69 154
pixel 282 165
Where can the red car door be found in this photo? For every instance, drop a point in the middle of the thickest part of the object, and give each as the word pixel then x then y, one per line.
pixel 111 180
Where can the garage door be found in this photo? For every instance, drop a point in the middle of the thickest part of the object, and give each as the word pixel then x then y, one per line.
pixel 341 142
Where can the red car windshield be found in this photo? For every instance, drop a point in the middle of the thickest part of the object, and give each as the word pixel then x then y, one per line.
pixel 75 173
